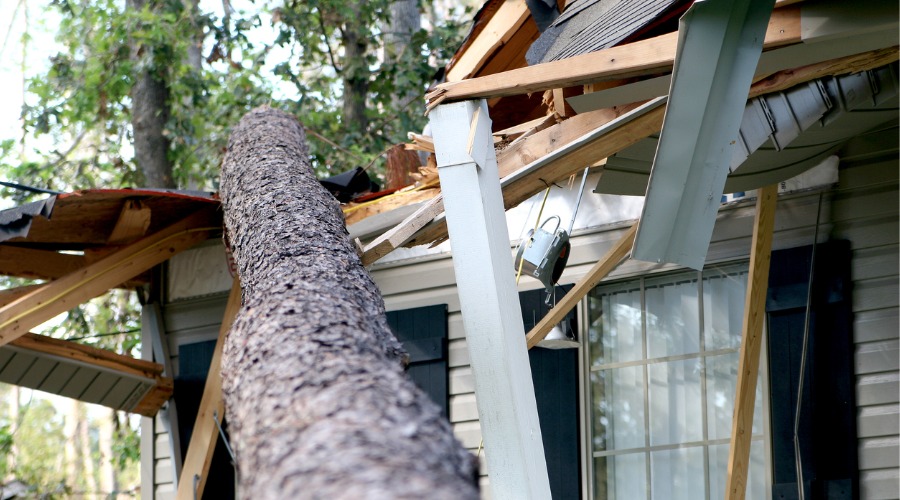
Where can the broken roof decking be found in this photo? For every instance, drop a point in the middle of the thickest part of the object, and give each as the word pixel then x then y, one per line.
pixel 107 230
pixel 85 373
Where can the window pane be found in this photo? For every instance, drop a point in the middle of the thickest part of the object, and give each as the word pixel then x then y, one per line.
pixel 618 416
pixel 718 470
pixel 675 405
pixel 678 474
pixel 673 325
pixel 620 477
pixel 615 333
pixel 723 308
pixel 721 380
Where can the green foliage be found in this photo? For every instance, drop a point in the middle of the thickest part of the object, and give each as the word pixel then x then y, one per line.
pixel 286 55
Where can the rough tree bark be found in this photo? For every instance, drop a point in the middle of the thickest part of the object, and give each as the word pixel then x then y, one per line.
pixel 316 398
pixel 149 112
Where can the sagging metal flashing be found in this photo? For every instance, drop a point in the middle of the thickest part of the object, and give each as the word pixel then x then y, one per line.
pixel 719 45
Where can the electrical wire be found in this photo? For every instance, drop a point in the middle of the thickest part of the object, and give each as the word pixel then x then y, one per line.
pixel 537 224
pixel 798 460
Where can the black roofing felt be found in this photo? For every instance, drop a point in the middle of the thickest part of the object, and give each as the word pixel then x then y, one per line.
pixel 591 25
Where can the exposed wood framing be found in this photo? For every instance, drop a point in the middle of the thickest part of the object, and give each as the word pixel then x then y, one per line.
pixel 56 297
pixel 402 232
pixel 12 294
pixel 205 434
pixel 548 140
pixel 148 406
pixel 37 264
pixel 505 23
pixel 786 79
pixel 641 58
pixel 600 270
pixel 751 343
pixel 134 219
pixel 525 186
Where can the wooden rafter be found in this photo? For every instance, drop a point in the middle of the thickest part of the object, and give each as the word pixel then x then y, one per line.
pixel 503 24
pixel 641 58
pixel 751 344
pixel 58 296
pixel 133 222
pixel 203 438
pixel 37 264
pixel 126 365
pixel 13 294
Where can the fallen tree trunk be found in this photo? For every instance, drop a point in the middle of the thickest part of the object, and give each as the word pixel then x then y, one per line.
pixel 315 394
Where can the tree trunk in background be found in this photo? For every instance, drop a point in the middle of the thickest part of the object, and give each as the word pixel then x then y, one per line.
pixel 317 402
pixel 149 113
pixel 107 469
pixel 14 427
pixel 73 467
pixel 355 75
pixel 87 458
pixel 405 20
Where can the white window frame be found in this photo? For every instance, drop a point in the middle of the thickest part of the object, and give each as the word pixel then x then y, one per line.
pixel 585 369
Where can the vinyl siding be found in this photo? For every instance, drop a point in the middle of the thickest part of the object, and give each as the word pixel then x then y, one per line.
pixel 863 208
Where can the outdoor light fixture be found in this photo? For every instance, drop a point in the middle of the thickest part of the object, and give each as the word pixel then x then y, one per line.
pixel 543 254
pixel 558 338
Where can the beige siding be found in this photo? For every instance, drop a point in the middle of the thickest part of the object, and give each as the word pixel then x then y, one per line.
pixel 863 209
pixel 866 212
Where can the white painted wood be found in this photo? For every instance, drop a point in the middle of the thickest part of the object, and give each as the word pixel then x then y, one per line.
pixel 152 320
pixel 495 333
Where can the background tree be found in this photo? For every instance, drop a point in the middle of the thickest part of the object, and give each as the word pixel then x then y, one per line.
pixel 145 92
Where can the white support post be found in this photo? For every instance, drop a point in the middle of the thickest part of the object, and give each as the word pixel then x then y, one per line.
pixel 482 260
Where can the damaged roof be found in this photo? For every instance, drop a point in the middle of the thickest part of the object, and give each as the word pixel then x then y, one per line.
pixel 590 25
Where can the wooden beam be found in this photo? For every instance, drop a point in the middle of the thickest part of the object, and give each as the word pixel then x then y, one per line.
pixel 59 296
pixel 402 232
pixel 133 222
pixel 786 79
pixel 203 438
pixel 505 22
pixel 12 294
pixel 563 166
pixel 613 257
pixel 37 264
pixel 34 263
pixel 127 365
pixel 641 58
pixel 751 343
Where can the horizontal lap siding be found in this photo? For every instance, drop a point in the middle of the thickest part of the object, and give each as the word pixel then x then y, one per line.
pixel 862 209
pixel 186 322
pixel 865 211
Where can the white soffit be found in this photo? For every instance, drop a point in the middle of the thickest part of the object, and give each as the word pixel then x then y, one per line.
pixel 782 133
pixel 719 44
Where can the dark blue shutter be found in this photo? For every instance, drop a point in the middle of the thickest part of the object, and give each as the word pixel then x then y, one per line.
pixel 193 367
pixel 423 333
pixel 828 445
pixel 554 373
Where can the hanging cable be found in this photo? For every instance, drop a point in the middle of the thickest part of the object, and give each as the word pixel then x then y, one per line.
pixel 798 460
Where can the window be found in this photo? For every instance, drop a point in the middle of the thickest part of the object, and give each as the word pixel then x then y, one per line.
pixel 662 367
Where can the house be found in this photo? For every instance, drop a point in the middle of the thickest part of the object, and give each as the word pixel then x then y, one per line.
pixel 643 406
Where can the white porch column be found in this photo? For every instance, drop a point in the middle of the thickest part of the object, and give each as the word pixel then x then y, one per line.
pixel 485 278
